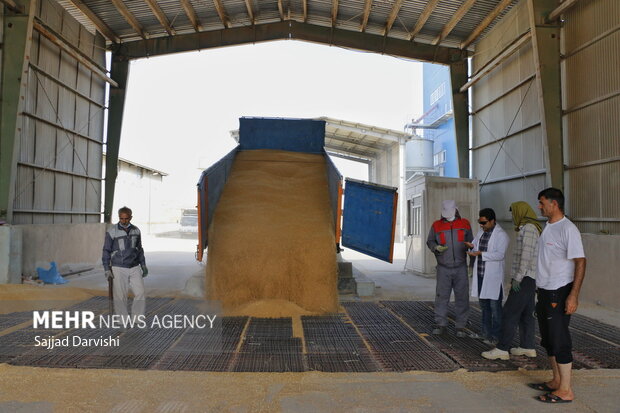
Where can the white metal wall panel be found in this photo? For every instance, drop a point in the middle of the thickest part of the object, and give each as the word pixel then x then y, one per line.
pixel 587 81
pixel 591 46
pixel 507 147
pixel 25 183
pixel 60 144
pixel 68 73
pixel 509 28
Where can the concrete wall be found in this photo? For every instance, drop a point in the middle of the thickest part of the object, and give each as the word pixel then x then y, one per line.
pixel 602 283
pixel 70 245
pixel 10 255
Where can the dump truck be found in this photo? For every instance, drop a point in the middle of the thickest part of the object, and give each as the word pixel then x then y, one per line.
pixel 276 168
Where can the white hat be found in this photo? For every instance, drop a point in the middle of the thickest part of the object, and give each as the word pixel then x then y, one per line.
pixel 448 208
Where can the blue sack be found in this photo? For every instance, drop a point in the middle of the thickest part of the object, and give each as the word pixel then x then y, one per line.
pixel 51 276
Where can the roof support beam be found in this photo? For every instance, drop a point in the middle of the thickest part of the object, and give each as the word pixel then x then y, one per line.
pixel 222 12
pixel 367 132
pixel 352 141
pixel 191 14
pixel 485 23
pixel 546 47
pixel 351 152
pixel 428 10
pixel 555 14
pixel 248 6
pixel 392 17
pixel 17 41
pixel 365 15
pixel 130 18
pixel 12 6
pixel 161 16
pixel 334 12
pixel 453 21
pixel 96 21
pixel 330 152
pixel 304 4
pixel 291 30
pixel 458 77
pixel 120 73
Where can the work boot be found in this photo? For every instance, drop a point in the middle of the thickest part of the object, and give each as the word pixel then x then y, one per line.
pixel 461 333
pixel 496 354
pixel 527 352
pixel 438 330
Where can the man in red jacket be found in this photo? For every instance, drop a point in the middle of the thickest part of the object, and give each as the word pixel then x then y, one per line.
pixel 446 239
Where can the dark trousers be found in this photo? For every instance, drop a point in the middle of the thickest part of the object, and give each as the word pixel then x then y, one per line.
pixel 491 317
pixel 449 279
pixel 553 323
pixel 519 310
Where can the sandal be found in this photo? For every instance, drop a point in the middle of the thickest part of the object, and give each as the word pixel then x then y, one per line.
pixel 551 398
pixel 541 387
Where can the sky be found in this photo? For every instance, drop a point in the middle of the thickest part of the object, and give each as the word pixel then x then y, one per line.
pixel 180 109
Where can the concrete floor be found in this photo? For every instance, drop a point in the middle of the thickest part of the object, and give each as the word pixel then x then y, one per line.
pixel 171 264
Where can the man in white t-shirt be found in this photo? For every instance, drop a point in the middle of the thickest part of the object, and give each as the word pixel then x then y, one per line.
pixel 561 270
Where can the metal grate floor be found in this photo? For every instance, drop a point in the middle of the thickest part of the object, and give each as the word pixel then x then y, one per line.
pixel 384 336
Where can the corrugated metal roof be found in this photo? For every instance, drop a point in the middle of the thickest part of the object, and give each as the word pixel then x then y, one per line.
pixel 350 15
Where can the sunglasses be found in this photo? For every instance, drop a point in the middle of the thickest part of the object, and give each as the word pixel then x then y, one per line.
pixel 483 222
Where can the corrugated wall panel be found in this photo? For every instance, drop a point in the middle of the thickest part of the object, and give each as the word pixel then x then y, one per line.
pixel 62 193
pixel 50 155
pixel 68 70
pixel 591 44
pixel 610 200
pixel 594 132
pixel 66 110
pixel 64 152
pixel 509 28
pixel 83 80
pixel 505 103
pixel 95 158
pixel 25 185
pixel 588 20
pixel 500 195
pixel 44 190
pixel 45 145
pixel 95 124
pixel 70 30
pixel 489 126
pixel 82 115
pixel 26 147
pixel 80 155
pixel 586 81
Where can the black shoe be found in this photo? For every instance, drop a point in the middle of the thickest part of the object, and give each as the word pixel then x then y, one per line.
pixel 438 330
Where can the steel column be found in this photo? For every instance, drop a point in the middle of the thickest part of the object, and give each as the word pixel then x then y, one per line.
pixel 119 73
pixel 546 47
pixel 458 77
pixel 16 50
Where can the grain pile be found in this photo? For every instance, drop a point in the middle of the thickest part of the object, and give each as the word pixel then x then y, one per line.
pixel 271 242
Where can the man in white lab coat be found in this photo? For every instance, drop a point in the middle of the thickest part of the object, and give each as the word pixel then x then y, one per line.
pixel 489 248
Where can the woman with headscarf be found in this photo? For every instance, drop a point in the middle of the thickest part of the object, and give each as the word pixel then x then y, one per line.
pixel 520 305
